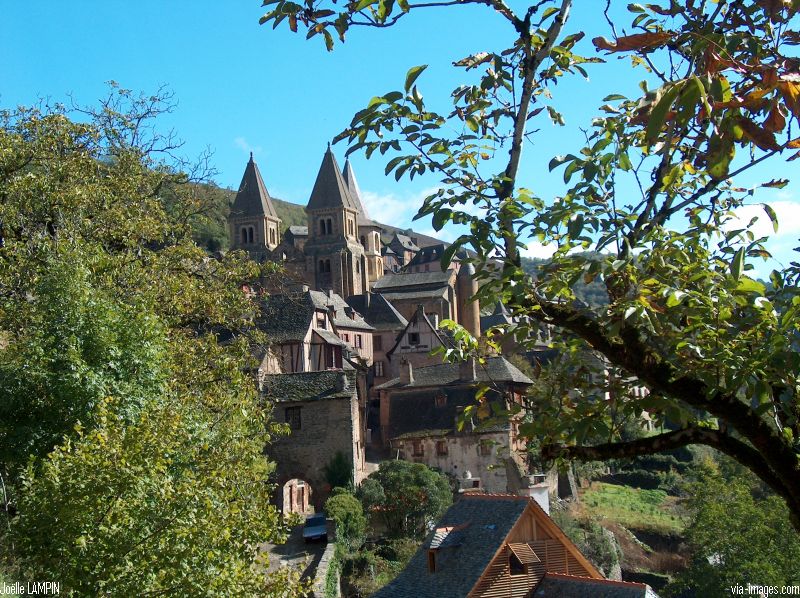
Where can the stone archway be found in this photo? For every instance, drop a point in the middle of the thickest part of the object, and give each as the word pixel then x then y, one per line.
pixel 297 497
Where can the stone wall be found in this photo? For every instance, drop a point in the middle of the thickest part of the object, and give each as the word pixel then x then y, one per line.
pixel 326 427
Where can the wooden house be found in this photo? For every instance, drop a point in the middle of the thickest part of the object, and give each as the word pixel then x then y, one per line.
pixel 502 546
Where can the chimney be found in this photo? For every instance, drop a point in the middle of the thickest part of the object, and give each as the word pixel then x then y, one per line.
pixel 367 298
pixel 466 369
pixel 342 383
pixel 406 373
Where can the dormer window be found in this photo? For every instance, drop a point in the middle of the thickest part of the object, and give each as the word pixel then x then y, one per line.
pixel 431 561
pixel 413 338
pixel 515 565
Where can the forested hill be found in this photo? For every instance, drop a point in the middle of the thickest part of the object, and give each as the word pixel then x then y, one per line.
pixel 210 227
pixel 593 294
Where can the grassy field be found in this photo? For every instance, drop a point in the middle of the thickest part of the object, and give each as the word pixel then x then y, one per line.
pixel 632 507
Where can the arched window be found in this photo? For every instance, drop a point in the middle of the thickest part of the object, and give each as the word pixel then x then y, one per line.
pixel 250 234
pixel 244 235
pixel 363 242
pixel 329 227
pixel 327 265
pixel 322 265
pixel 322 226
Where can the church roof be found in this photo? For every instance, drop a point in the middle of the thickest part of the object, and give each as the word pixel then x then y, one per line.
pixel 355 192
pixel 252 199
pixel 330 189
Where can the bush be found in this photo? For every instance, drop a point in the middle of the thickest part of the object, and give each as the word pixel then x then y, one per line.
pixel 346 511
pixel 339 471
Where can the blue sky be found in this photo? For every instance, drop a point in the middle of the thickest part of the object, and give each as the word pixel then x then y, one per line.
pixel 243 87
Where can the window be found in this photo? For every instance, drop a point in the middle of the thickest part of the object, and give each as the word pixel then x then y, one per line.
pixel 329 226
pixel 359 342
pixel 346 337
pixel 418 449
pixel 413 338
pixel 486 448
pixel 293 417
pixel 272 236
pixel 379 369
pixel 516 566
pixel 322 321
pixel 363 241
pixel 327 265
pixel 441 400
pixel 377 343
pixel 441 447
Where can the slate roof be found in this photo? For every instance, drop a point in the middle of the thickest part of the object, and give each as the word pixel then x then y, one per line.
pixel 404 241
pixel 299 231
pixel 252 198
pixel 341 317
pixel 484 524
pixel 433 253
pixel 499 316
pixel 309 386
pixel 350 181
pixel 330 190
pixel 286 317
pixel 417 416
pixel 401 282
pixel 496 369
pixel 557 585
pixel 380 314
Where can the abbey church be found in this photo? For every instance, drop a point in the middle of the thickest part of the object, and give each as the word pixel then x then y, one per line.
pixel 342 250
pixel 349 367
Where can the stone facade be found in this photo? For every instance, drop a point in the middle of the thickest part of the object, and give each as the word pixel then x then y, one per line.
pixel 322 412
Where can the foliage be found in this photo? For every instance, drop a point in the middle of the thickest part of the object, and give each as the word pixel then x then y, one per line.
pixel 652 192
pixel 346 510
pixel 368 570
pixel 132 440
pixel 407 496
pixel 756 545
pixel 591 539
pixel 339 471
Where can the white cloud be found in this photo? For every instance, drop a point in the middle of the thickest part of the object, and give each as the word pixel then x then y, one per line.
pixel 243 145
pixel 537 250
pixel 396 210
pixel 788 213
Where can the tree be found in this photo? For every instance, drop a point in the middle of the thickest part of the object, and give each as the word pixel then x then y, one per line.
pixel 653 191
pixel 131 437
pixel 755 544
pixel 408 496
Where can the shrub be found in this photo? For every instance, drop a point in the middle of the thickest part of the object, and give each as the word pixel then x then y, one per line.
pixel 346 511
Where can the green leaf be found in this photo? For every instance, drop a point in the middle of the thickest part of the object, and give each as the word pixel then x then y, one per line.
pixel 659 112
pixel 737 264
pixel 772 216
pixel 412 74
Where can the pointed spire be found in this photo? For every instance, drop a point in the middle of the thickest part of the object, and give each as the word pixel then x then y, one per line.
pixel 252 198
pixel 330 190
pixel 352 186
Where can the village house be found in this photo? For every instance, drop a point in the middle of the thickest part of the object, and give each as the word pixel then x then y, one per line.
pixel 420 421
pixel 493 546
pixel 322 411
